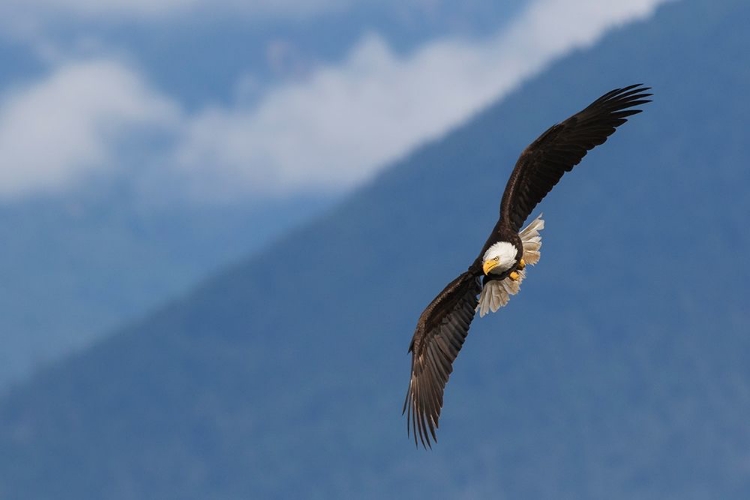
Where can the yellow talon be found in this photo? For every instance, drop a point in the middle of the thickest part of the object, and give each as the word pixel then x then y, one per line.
pixel 521 264
pixel 513 276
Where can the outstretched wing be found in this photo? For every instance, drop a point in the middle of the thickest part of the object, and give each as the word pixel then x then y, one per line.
pixel 441 331
pixel 561 147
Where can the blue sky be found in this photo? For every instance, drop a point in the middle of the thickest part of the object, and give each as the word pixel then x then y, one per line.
pixel 283 107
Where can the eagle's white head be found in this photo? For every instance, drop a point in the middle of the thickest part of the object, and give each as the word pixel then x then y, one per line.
pixel 499 258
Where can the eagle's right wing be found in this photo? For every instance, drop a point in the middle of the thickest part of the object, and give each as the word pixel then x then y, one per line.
pixel 440 333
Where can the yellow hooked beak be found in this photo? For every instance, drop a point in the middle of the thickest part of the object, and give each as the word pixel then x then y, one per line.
pixel 489 265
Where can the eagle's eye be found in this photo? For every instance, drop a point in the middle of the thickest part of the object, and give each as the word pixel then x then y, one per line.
pixel 497 259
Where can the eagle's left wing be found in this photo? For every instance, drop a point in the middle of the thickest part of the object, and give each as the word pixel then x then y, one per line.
pixel 562 147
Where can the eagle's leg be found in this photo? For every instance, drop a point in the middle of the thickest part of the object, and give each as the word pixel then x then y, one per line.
pixel 521 264
pixel 514 276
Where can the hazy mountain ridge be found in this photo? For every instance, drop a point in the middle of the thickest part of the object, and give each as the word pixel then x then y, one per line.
pixel 620 370
pixel 74 267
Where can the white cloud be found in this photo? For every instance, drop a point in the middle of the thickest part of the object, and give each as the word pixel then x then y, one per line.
pixel 69 123
pixel 328 132
pixel 343 122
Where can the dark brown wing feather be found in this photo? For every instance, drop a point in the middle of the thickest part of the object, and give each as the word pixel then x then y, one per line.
pixel 440 333
pixel 559 149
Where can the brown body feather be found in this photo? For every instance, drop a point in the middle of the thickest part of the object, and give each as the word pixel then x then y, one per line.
pixel 444 324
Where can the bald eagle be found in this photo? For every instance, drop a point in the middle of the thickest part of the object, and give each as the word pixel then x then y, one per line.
pixel 498 271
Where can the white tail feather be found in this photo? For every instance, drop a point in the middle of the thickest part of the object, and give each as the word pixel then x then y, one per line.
pixel 532 240
pixel 496 293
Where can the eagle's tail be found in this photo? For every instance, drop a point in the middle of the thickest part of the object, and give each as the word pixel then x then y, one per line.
pixel 532 240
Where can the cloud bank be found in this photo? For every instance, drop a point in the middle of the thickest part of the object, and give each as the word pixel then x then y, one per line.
pixel 329 132
pixel 336 128
pixel 53 131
